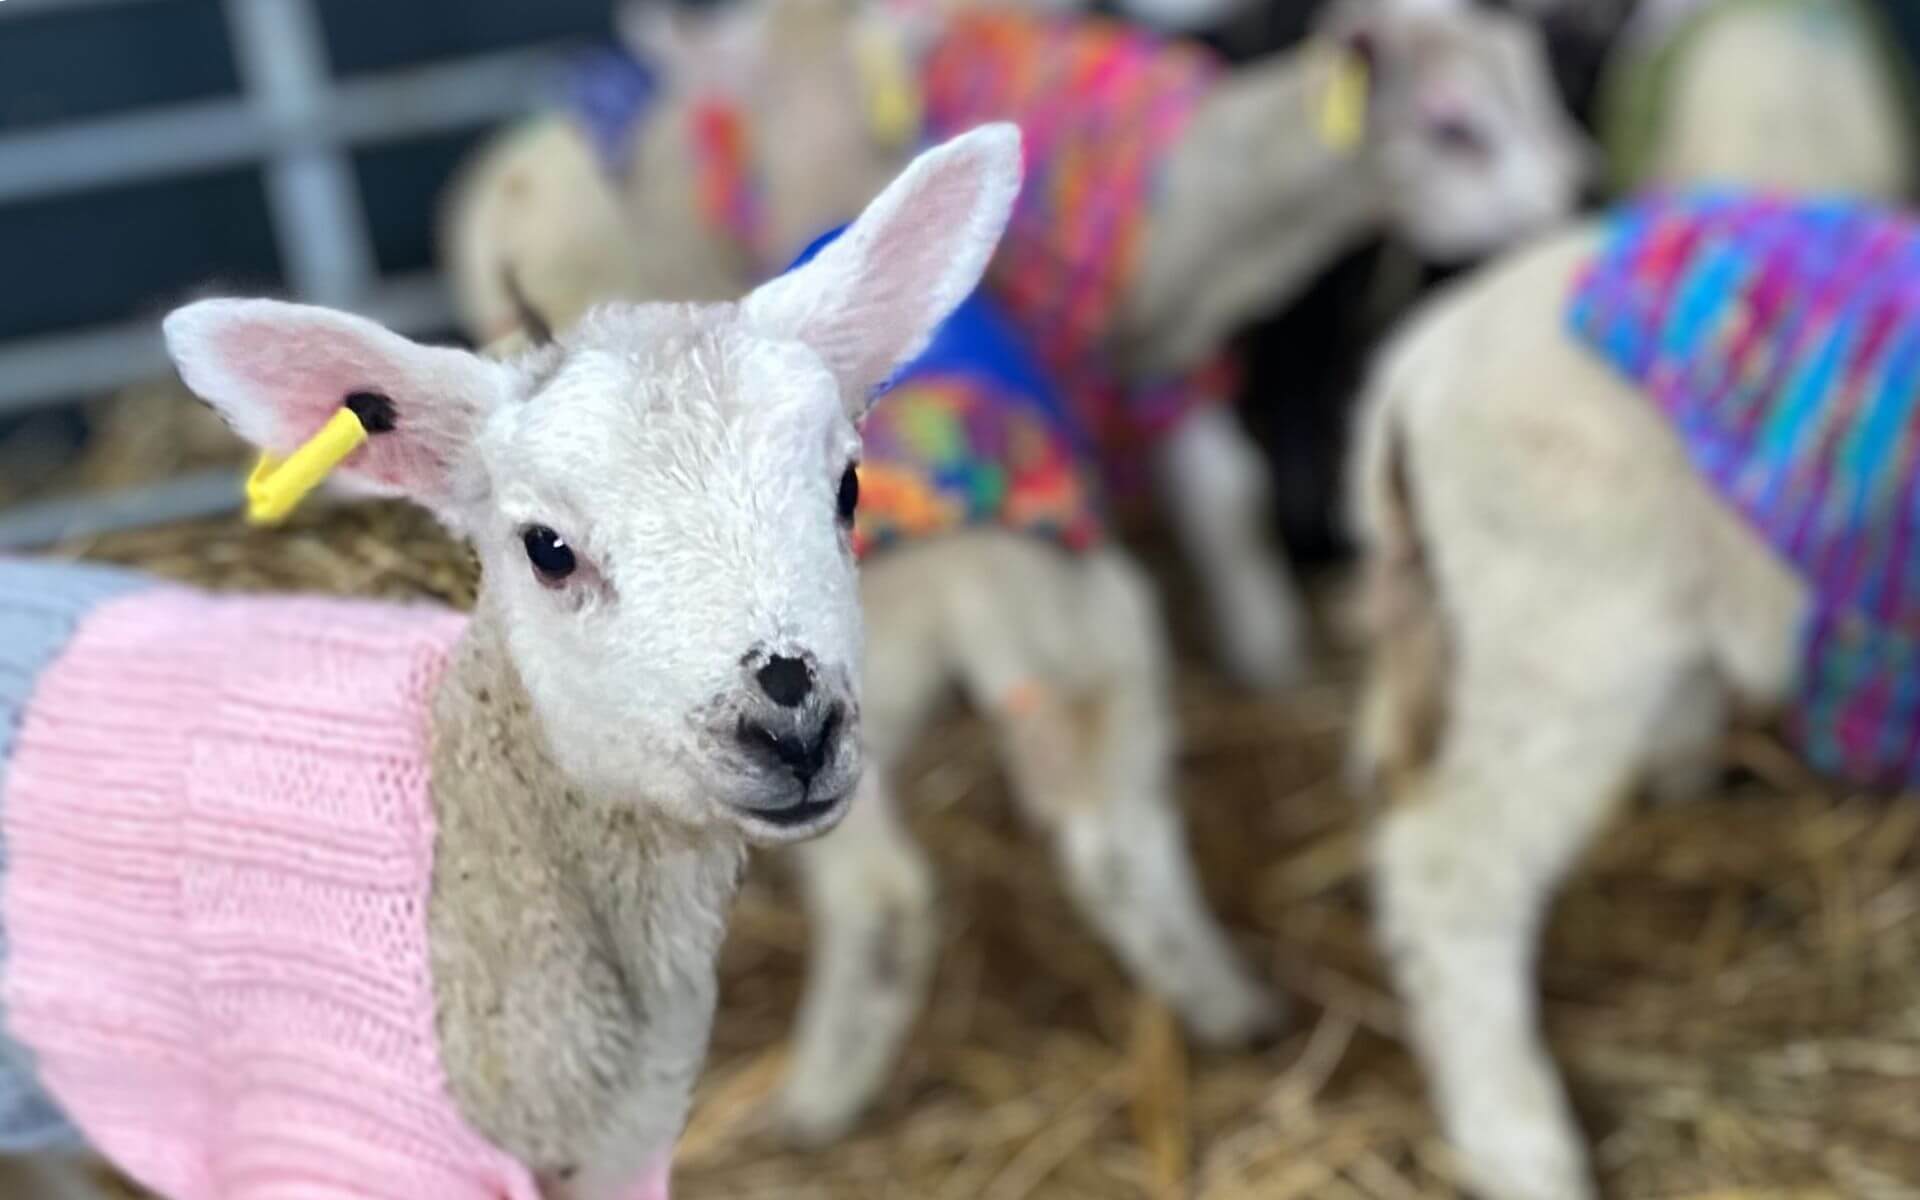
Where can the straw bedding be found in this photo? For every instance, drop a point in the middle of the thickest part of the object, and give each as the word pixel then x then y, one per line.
pixel 144 433
pixel 1733 985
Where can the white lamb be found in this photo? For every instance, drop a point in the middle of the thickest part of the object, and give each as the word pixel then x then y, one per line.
pixel 1806 95
pixel 1567 596
pixel 359 900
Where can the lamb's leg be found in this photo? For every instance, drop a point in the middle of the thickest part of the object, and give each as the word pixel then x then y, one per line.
pixel 1550 721
pixel 1095 769
pixel 870 891
pixel 1685 758
pixel 1214 484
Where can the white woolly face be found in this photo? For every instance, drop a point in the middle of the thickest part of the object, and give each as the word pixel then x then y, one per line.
pixel 1467 126
pixel 659 521
pixel 659 499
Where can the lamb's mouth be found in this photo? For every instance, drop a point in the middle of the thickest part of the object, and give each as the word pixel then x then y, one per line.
pixel 812 816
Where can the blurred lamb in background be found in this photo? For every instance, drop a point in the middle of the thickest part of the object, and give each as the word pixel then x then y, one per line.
pixel 642 195
pixel 986 570
pixel 1241 199
pixel 1805 95
pixel 1698 83
pixel 1567 597
pixel 1462 147
pixel 541 219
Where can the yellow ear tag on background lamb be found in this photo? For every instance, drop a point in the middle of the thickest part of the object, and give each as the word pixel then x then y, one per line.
pixel 1343 110
pixel 893 102
pixel 278 485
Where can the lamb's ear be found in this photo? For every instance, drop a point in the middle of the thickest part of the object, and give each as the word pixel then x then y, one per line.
pixel 278 372
pixel 869 301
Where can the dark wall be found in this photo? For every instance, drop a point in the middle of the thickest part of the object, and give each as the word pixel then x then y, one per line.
pixel 365 37
pixel 61 66
pixel 126 252
pixel 1903 16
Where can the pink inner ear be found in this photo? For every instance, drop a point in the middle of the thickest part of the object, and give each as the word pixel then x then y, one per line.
pixel 293 376
pixel 291 380
pixel 896 308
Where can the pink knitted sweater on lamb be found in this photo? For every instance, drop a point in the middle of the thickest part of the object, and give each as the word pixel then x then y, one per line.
pixel 221 845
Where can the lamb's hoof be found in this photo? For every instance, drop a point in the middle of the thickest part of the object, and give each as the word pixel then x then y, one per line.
pixel 1262 664
pixel 1680 782
pixel 1527 1159
pixel 1245 1017
pixel 1262 641
pixel 809 1118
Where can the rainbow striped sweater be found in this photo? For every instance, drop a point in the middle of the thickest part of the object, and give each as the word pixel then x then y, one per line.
pixel 1100 105
pixel 1781 337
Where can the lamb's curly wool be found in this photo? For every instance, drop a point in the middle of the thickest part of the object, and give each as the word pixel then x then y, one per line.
pixel 220 850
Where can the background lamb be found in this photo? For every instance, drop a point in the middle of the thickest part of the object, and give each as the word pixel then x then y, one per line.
pixel 985 569
pixel 1807 95
pixel 1568 598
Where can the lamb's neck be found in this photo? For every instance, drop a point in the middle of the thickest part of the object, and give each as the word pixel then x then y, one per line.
pixel 573 939
pixel 510 817
pixel 1253 206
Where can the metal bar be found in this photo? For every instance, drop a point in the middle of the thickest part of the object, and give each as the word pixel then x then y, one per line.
pixel 209 134
pixel 434 99
pixel 324 242
pixel 47 371
pixel 206 494
pixel 40 8
pixel 300 125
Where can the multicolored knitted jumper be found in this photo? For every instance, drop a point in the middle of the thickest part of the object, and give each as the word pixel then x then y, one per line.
pixel 1782 339
pixel 971 433
pixel 218 848
pixel 731 195
pixel 1101 106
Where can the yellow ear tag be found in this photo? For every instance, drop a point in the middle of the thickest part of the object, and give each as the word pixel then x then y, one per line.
pixel 893 102
pixel 278 485
pixel 1343 110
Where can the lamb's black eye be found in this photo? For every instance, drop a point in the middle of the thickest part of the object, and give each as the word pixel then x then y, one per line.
pixel 849 495
pixel 550 555
pixel 1459 136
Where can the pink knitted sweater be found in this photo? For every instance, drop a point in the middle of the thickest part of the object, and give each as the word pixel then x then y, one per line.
pixel 220 846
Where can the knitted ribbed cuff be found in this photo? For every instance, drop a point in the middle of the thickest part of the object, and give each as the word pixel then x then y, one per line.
pixel 41 605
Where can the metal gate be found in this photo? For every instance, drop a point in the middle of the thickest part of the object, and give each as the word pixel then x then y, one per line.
pixel 299 124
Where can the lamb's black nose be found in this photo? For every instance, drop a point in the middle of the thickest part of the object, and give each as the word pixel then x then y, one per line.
pixel 802 750
pixel 786 681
